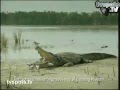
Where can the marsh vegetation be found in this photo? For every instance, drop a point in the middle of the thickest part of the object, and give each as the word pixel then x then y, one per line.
pixel 4 43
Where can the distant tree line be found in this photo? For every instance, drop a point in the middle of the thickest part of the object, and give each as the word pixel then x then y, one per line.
pixel 57 18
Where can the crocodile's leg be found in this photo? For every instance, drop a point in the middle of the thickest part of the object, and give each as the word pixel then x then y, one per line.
pixel 68 64
pixel 87 61
pixel 50 64
pixel 84 60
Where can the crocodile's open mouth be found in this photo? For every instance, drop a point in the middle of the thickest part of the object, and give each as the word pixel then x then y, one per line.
pixel 44 60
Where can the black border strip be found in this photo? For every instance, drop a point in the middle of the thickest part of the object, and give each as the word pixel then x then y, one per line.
pixel 118 45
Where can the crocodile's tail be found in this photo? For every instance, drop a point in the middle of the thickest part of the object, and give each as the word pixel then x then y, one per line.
pixel 98 56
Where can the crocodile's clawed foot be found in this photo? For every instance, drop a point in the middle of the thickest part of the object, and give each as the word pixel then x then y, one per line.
pixel 68 64
pixel 50 64
pixel 90 61
pixel 87 61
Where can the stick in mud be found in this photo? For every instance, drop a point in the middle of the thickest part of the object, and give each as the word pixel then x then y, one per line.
pixel 98 69
pixel 113 71
pixel 87 70
pixel 9 78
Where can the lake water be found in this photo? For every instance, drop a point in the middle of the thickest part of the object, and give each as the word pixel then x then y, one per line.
pixel 57 39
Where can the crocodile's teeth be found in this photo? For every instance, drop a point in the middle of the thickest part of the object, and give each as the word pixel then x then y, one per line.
pixel 43 60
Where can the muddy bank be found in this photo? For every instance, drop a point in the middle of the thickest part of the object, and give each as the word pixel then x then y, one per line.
pixel 101 74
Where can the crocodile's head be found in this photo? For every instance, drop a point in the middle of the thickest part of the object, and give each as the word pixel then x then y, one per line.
pixel 46 56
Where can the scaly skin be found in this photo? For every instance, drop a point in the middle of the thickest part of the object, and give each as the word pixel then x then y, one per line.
pixel 68 59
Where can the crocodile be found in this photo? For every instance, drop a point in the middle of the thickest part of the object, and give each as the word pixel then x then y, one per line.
pixel 49 59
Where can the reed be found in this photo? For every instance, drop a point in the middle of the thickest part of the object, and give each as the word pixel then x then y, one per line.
pixel 113 71
pixel 87 70
pixel 17 38
pixel 4 41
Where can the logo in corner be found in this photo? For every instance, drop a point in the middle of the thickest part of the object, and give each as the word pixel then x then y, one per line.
pixel 108 7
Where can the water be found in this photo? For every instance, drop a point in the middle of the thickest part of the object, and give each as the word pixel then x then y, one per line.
pixel 57 39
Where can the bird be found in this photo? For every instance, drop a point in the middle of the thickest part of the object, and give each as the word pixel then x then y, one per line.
pixel 104 46
pixel 36 43
pixel 27 40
